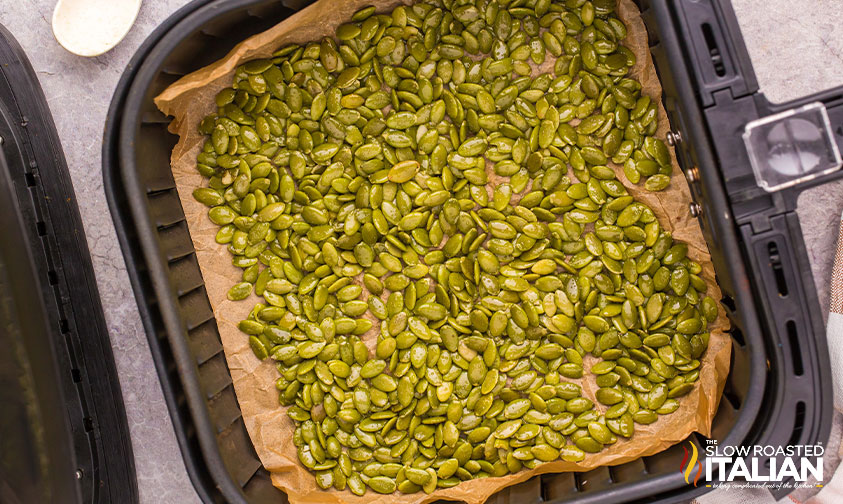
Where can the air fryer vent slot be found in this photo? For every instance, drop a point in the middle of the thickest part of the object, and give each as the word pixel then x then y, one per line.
pixel 793 342
pixel 778 268
pixel 798 424
pixel 713 50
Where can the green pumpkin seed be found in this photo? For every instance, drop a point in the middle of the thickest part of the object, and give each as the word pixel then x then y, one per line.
pixel 382 484
pixel 588 444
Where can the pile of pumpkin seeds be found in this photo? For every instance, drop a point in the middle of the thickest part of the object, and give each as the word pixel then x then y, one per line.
pixel 438 176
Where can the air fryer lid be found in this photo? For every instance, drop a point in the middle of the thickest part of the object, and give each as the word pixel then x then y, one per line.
pixel 63 431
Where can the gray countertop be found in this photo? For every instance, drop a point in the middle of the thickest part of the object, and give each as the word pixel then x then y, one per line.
pixel 792 44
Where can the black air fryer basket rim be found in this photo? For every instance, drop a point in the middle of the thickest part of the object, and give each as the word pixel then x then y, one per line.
pixel 125 103
pixel 137 264
pixel 146 72
pixel 131 93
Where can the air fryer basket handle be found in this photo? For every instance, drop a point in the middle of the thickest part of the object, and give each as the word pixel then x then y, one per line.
pixel 722 67
pixel 756 244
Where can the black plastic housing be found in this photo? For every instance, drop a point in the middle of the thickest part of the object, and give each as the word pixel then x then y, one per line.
pixel 770 368
pixel 711 93
pixel 63 430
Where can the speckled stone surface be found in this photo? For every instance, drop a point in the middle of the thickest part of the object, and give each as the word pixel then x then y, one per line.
pixel 795 46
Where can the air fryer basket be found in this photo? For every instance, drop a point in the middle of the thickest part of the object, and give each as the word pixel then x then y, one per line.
pixel 780 361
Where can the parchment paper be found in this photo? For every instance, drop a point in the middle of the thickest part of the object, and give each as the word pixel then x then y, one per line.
pixel 191 98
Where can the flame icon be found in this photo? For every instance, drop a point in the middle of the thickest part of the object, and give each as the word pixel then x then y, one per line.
pixel 686 469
